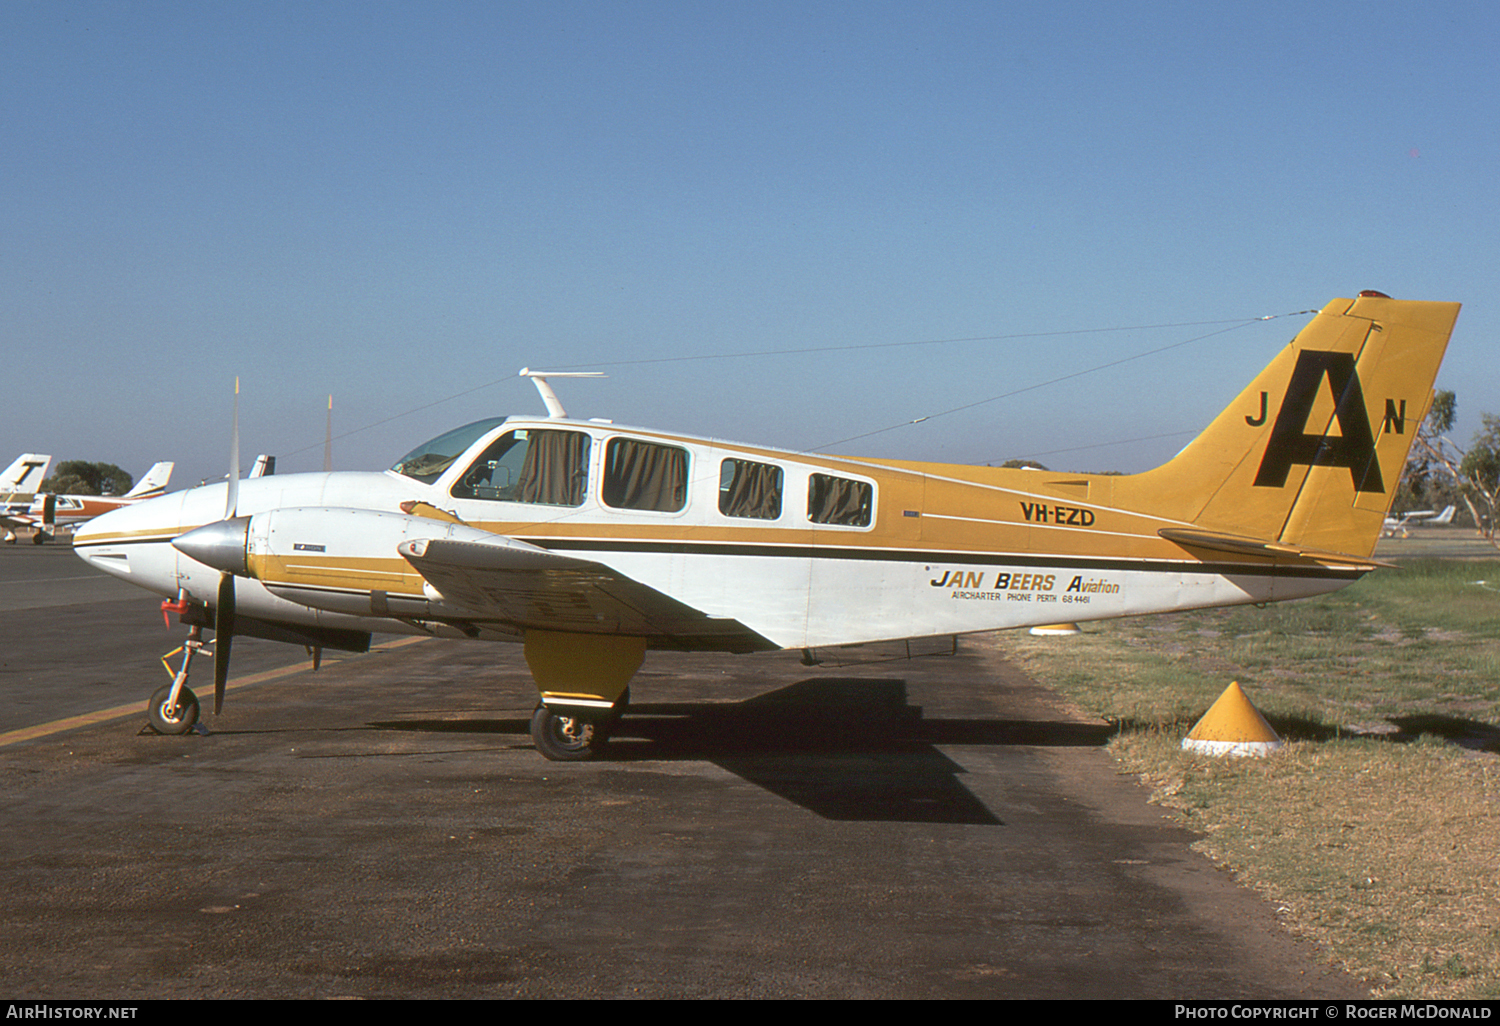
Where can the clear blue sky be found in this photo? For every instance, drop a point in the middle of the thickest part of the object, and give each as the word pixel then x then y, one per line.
pixel 402 204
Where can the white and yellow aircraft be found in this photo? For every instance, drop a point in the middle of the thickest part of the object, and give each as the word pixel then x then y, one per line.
pixel 591 543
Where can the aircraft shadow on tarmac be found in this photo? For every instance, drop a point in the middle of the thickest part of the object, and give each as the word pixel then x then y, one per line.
pixel 843 748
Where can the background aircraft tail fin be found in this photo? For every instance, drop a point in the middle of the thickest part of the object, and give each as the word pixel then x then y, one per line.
pixel 154 483
pixel 25 475
pixel 1310 453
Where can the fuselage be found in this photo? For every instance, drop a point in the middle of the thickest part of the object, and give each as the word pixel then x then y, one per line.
pixel 76 509
pixel 795 550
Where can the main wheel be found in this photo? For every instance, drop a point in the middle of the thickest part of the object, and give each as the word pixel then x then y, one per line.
pixel 565 738
pixel 167 720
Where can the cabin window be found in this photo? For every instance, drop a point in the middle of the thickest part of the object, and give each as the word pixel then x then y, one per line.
pixel 838 500
pixel 534 465
pixel 748 489
pixel 644 475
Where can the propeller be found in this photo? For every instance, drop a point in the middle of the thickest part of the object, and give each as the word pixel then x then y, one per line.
pixel 223 545
pixel 224 606
pixel 223 637
pixel 232 493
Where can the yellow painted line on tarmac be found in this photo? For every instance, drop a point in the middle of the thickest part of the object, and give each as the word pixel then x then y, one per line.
pixel 138 708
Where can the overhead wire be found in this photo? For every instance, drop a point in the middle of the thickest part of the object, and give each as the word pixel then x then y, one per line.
pixel 1044 384
pixel 1234 324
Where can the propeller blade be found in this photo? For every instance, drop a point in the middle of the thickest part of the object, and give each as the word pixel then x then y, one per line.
pixel 223 637
pixel 232 494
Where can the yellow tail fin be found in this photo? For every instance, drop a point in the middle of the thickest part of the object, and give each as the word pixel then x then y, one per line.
pixel 1310 453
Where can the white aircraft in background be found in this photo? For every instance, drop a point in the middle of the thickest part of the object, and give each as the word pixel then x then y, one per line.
pixel 590 542
pixel 1403 522
pixel 18 486
pixel 23 478
pixel 47 512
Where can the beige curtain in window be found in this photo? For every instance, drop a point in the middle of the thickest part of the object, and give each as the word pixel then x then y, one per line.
pixel 837 500
pixel 754 491
pixel 555 472
pixel 643 475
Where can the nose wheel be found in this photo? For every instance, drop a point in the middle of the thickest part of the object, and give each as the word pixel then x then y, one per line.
pixel 169 716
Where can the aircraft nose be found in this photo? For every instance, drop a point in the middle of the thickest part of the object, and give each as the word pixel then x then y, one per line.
pixel 121 524
pixel 220 545
pixel 151 520
pixel 120 542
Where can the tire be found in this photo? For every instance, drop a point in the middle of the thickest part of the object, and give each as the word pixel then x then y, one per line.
pixel 172 721
pixel 565 738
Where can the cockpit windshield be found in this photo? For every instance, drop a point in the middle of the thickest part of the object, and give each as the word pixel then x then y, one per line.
pixel 427 461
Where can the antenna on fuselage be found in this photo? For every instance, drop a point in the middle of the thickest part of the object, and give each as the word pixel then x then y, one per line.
pixel 549 398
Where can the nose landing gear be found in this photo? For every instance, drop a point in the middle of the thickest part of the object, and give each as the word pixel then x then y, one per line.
pixel 173 708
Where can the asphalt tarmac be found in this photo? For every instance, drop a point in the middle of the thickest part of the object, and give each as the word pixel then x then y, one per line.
pixel 933 827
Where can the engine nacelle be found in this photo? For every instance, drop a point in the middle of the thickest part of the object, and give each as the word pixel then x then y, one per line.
pixel 321 557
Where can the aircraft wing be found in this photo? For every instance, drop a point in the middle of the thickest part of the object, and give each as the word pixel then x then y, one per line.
pixel 533 588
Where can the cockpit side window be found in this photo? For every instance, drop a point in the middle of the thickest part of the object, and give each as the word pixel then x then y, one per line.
pixel 749 489
pixel 535 465
pixel 427 461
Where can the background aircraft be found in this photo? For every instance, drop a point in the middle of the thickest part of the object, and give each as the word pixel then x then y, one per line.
pixel 18 485
pixel 1402 522
pixel 47 512
pixel 22 478
pixel 590 542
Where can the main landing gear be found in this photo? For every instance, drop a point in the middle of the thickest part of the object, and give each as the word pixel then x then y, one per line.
pixel 584 681
pixel 568 736
pixel 173 708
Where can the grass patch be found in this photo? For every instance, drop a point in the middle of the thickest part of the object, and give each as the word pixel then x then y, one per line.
pixel 1376 830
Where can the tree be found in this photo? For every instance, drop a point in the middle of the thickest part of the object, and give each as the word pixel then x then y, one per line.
pixel 1425 482
pixel 80 477
pixel 1481 469
pixel 1475 472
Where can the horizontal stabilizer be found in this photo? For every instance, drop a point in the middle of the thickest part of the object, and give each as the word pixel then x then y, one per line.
pixel 1255 547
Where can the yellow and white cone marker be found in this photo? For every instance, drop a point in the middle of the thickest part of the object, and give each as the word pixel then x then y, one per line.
pixel 1232 726
pixel 1056 629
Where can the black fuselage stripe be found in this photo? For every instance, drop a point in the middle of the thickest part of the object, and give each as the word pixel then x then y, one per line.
pixel 603 547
